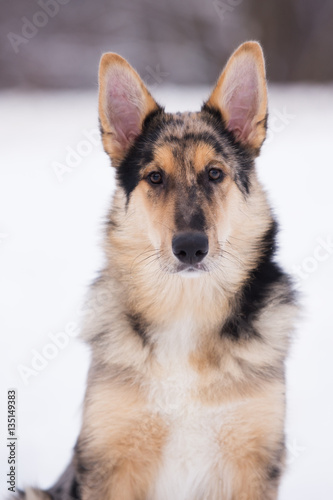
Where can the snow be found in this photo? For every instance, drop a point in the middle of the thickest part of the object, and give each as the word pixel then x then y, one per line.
pixel 50 233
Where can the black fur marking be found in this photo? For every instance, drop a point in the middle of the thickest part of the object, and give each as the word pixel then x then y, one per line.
pixel 139 326
pixel 185 222
pixel 255 292
pixel 274 472
pixel 74 490
pixel 81 468
pixel 142 151
pixel 100 337
pixel 100 127
pixel 245 156
pixel 198 220
pixel 205 184
pixel 111 223
pixel 66 488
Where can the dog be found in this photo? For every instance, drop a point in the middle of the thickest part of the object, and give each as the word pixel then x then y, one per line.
pixel 185 396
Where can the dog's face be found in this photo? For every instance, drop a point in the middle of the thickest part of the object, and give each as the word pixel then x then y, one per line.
pixel 185 177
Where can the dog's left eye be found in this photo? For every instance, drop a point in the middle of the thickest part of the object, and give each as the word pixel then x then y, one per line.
pixel 155 178
pixel 215 174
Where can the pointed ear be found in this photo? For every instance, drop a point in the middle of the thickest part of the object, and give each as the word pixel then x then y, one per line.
pixel 124 103
pixel 241 95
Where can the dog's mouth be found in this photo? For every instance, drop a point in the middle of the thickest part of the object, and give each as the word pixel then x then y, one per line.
pixel 191 270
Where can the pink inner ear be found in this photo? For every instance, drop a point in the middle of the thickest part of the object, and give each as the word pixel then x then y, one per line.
pixel 241 100
pixel 124 97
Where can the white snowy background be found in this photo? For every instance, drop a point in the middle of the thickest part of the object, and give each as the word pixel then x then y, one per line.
pixel 50 233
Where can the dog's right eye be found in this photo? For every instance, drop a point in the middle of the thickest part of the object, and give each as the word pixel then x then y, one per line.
pixel 215 174
pixel 155 178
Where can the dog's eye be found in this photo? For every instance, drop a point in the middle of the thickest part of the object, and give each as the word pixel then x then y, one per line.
pixel 215 174
pixel 155 178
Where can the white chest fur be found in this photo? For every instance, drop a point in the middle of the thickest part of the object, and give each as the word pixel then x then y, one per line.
pixel 192 453
pixel 191 457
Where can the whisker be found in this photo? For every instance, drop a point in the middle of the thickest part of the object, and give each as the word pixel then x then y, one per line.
pixel 234 257
pixel 155 254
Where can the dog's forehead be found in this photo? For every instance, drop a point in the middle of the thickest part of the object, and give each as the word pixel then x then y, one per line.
pixel 187 126
pixel 189 140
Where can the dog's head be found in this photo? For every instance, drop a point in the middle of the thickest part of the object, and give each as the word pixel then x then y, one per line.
pixel 187 191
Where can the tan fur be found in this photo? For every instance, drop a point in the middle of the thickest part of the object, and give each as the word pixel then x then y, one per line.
pixel 129 450
pixel 247 441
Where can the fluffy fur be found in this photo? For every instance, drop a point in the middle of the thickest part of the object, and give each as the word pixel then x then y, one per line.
pixel 186 392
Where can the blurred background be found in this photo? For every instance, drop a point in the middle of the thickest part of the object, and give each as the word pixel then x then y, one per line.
pixel 57 43
pixel 56 185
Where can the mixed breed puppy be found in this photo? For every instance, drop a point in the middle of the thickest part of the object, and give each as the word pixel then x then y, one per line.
pixel 186 390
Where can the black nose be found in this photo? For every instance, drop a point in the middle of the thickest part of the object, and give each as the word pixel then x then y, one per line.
pixel 190 248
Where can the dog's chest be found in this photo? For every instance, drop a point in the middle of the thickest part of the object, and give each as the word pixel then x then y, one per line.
pixel 191 456
pixel 191 451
